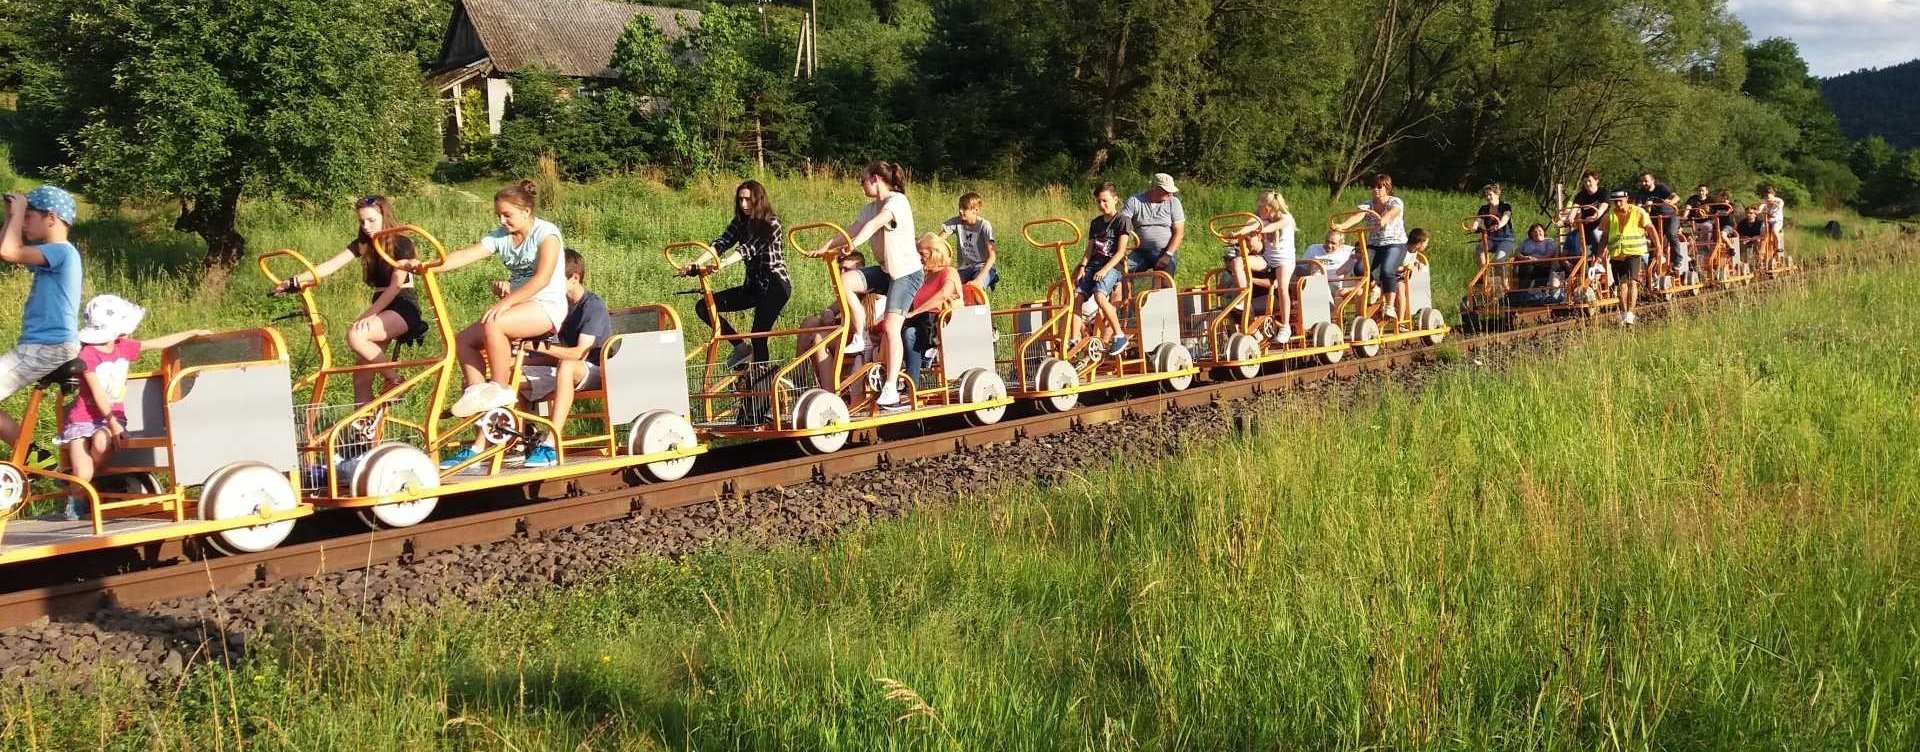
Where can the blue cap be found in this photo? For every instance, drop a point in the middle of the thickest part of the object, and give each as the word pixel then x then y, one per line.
pixel 53 200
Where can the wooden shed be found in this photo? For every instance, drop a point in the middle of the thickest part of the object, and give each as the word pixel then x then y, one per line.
pixel 489 39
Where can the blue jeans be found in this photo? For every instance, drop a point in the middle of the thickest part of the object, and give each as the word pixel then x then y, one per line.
pixel 916 337
pixel 1386 263
pixel 1500 248
pixel 993 277
pixel 1572 241
pixel 1146 259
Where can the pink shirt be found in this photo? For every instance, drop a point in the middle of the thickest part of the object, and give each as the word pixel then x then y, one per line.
pixel 109 367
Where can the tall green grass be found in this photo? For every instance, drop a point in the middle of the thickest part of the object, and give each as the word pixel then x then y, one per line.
pixel 1699 536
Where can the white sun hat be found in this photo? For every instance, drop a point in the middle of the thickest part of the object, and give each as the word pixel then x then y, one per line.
pixel 110 317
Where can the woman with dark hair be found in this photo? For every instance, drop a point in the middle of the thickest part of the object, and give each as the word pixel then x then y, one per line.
pixel 1386 239
pixel 754 237
pixel 887 222
pixel 394 313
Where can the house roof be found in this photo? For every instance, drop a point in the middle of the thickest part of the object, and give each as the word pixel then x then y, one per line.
pixel 570 37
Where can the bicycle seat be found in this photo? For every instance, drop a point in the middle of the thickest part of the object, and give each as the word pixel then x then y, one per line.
pixel 67 376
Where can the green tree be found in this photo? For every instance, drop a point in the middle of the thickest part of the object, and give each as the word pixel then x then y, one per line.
pixel 588 131
pixel 1776 75
pixel 715 95
pixel 207 101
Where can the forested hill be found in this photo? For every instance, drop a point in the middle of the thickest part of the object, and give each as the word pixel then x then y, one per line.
pixel 1878 101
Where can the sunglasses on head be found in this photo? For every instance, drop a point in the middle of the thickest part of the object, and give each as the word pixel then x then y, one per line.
pixel 367 201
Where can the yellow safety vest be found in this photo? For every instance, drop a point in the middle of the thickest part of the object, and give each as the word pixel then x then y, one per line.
pixel 1628 238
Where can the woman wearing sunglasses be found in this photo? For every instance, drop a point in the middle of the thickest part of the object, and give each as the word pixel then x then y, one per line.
pixel 394 313
pixel 752 236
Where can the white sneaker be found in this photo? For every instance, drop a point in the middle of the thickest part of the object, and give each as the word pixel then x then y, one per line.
pixel 471 400
pixel 1283 335
pixel 1388 312
pixel 858 343
pixel 497 396
pixel 1626 319
pixel 889 399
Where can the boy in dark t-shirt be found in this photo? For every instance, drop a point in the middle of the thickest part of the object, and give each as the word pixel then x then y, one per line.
pixel 1099 272
pixel 1662 204
pixel 1591 195
pixel 557 368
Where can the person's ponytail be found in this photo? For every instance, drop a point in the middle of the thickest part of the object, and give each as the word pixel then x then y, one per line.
pixel 895 174
pixel 523 194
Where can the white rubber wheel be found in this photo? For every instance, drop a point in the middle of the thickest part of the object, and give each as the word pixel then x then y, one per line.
pixel 13 488
pixel 1170 357
pixel 1430 319
pixel 499 426
pixel 1243 347
pixel 816 409
pixel 659 432
pixel 246 489
pixel 1055 374
pixel 1324 335
pixel 979 385
pixel 1364 333
pixel 393 468
pixel 1692 277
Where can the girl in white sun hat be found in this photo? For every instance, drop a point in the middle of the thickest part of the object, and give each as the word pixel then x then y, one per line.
pixel 97 419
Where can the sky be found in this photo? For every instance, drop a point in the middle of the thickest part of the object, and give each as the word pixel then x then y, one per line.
pixel 1838 36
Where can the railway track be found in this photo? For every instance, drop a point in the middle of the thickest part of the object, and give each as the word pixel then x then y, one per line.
pixel 178 569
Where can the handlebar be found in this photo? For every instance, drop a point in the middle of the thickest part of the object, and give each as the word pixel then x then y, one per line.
pixel 1026 231
pixel 426 264
pixel 1334 222
pixel 1216 224
pixel 705 250
pixel 276 280
pixel 793 237
pixel 1479 223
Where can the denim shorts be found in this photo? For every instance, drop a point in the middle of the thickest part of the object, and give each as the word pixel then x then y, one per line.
pixel 1105 284
pixel 899 291
pixel 992 280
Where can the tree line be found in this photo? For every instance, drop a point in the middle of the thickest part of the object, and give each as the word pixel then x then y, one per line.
pixel 207 101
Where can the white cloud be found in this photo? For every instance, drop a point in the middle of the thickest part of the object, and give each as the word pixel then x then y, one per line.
pixel 1837 36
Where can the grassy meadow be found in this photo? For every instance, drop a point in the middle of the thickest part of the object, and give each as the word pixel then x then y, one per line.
pixel 1700 536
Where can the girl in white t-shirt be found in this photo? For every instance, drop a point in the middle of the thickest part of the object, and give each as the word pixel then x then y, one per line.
pixel 1272 267
pixel 886 222
pixel 532 303
pixel 1775 209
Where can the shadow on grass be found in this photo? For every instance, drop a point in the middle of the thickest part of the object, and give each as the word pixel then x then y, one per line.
pixel 595 708
pixel 138 248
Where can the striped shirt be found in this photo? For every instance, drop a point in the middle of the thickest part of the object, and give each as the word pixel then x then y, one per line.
pixel 764 254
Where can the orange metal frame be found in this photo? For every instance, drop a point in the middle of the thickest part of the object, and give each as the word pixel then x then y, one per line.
pixel 174 502
pixel 936 398
pixel 1050 337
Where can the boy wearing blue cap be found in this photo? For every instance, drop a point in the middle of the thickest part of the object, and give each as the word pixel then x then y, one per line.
pixel 36 237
